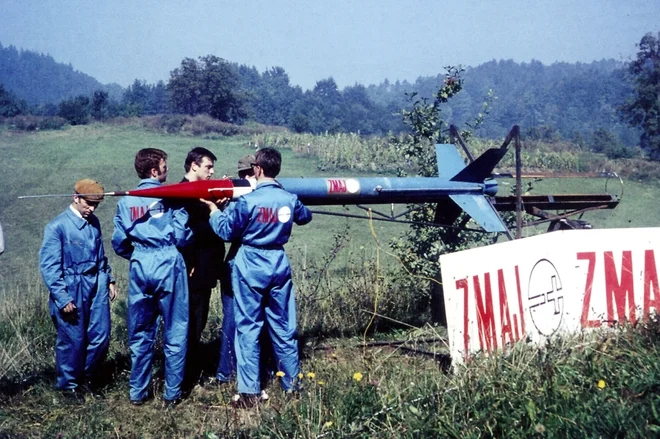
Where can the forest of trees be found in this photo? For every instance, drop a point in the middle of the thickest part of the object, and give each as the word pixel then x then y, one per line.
pixel 577 102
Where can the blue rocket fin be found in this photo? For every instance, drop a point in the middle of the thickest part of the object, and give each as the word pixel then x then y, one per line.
pixel 480 210
pixel 451 166
pixel 449 160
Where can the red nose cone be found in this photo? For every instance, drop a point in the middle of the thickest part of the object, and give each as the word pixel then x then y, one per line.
pixel 208 189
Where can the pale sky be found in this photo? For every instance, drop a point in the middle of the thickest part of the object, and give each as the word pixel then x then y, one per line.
pixel 354 41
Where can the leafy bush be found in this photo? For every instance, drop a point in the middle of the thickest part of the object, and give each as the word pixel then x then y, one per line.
pixel 35 123
pixel 25 123
pixel 51 123
pixel 76 111
pixel 202 125
pixel 172 124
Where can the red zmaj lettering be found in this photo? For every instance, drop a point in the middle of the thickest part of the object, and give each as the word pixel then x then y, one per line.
pixel 650 285
pixel 463 284
pixel 267 215
pixel 520 309
pixel 617 292
pixel 511 325
pixel 485 317
pixel 138 212
pixel 336 186
pixel 591 269
pixel 505 315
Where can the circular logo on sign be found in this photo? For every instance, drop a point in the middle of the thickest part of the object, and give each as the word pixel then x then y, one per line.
pixel 156 209
pixel 352 186
pixel 545 297
pixel 284 214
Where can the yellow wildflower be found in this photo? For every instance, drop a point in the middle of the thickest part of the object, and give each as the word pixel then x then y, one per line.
pixel 311 375
pixel 321 383
pixel 300 376
pixel 357 376
pixel 327 424
pixel 601 384
pixel 279 374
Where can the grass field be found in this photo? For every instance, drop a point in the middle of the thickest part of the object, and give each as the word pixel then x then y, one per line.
pixel 342 272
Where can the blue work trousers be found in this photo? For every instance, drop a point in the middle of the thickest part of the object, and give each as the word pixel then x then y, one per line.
pixel 158 288
pixel 83 337
pixel 264 295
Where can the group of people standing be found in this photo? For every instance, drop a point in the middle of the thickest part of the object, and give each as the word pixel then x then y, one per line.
pixel 176 250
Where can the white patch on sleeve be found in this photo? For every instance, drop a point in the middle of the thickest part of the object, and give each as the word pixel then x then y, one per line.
pixel 284 214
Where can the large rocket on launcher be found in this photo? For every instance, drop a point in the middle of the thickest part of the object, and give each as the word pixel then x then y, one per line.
pixel 457 188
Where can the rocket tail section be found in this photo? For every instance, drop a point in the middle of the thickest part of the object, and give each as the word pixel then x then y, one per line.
pixel 482 168
pixel 478 207
pixel 481 210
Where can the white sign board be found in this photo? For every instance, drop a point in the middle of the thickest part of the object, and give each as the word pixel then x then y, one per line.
pixel 559 282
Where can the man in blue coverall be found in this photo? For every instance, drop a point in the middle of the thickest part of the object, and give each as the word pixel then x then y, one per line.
pixel 261 278
pixel 149 232
pixel 74 267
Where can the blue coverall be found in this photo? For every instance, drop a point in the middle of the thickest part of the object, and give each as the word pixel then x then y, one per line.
pixel 226 371
pixel 261 279
pixel 74 267
pixel 148 232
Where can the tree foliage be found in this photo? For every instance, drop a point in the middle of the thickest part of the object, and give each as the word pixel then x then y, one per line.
pixel 100 105
pixel 208 86
pixel 9 105
pixel 643 108
pixel 567 101
pixel 76 111
pixel 420 248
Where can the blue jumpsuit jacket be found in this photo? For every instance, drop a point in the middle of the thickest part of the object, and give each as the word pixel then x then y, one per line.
pixel 149 232
pixel 261 279
pixel 74 267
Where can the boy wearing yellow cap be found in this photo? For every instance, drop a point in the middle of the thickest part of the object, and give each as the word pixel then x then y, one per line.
pixel 76 271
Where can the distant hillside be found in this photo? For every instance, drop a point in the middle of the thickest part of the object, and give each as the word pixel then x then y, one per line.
pixel 39 79
pixel 571 100
pixel 568 101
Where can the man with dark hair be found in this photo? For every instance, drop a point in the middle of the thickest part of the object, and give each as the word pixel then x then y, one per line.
pixel 149 232
pixel 261 275
pixel 74 267
pixel 204 260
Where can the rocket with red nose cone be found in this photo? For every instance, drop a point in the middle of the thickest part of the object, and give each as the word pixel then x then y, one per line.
pixel 457 188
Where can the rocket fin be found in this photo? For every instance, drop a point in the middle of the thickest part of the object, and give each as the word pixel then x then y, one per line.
pixel 449 160
pixel 480 210
pixel 482 168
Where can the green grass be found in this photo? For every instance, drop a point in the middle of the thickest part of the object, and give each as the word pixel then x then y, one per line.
pixel 342 272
